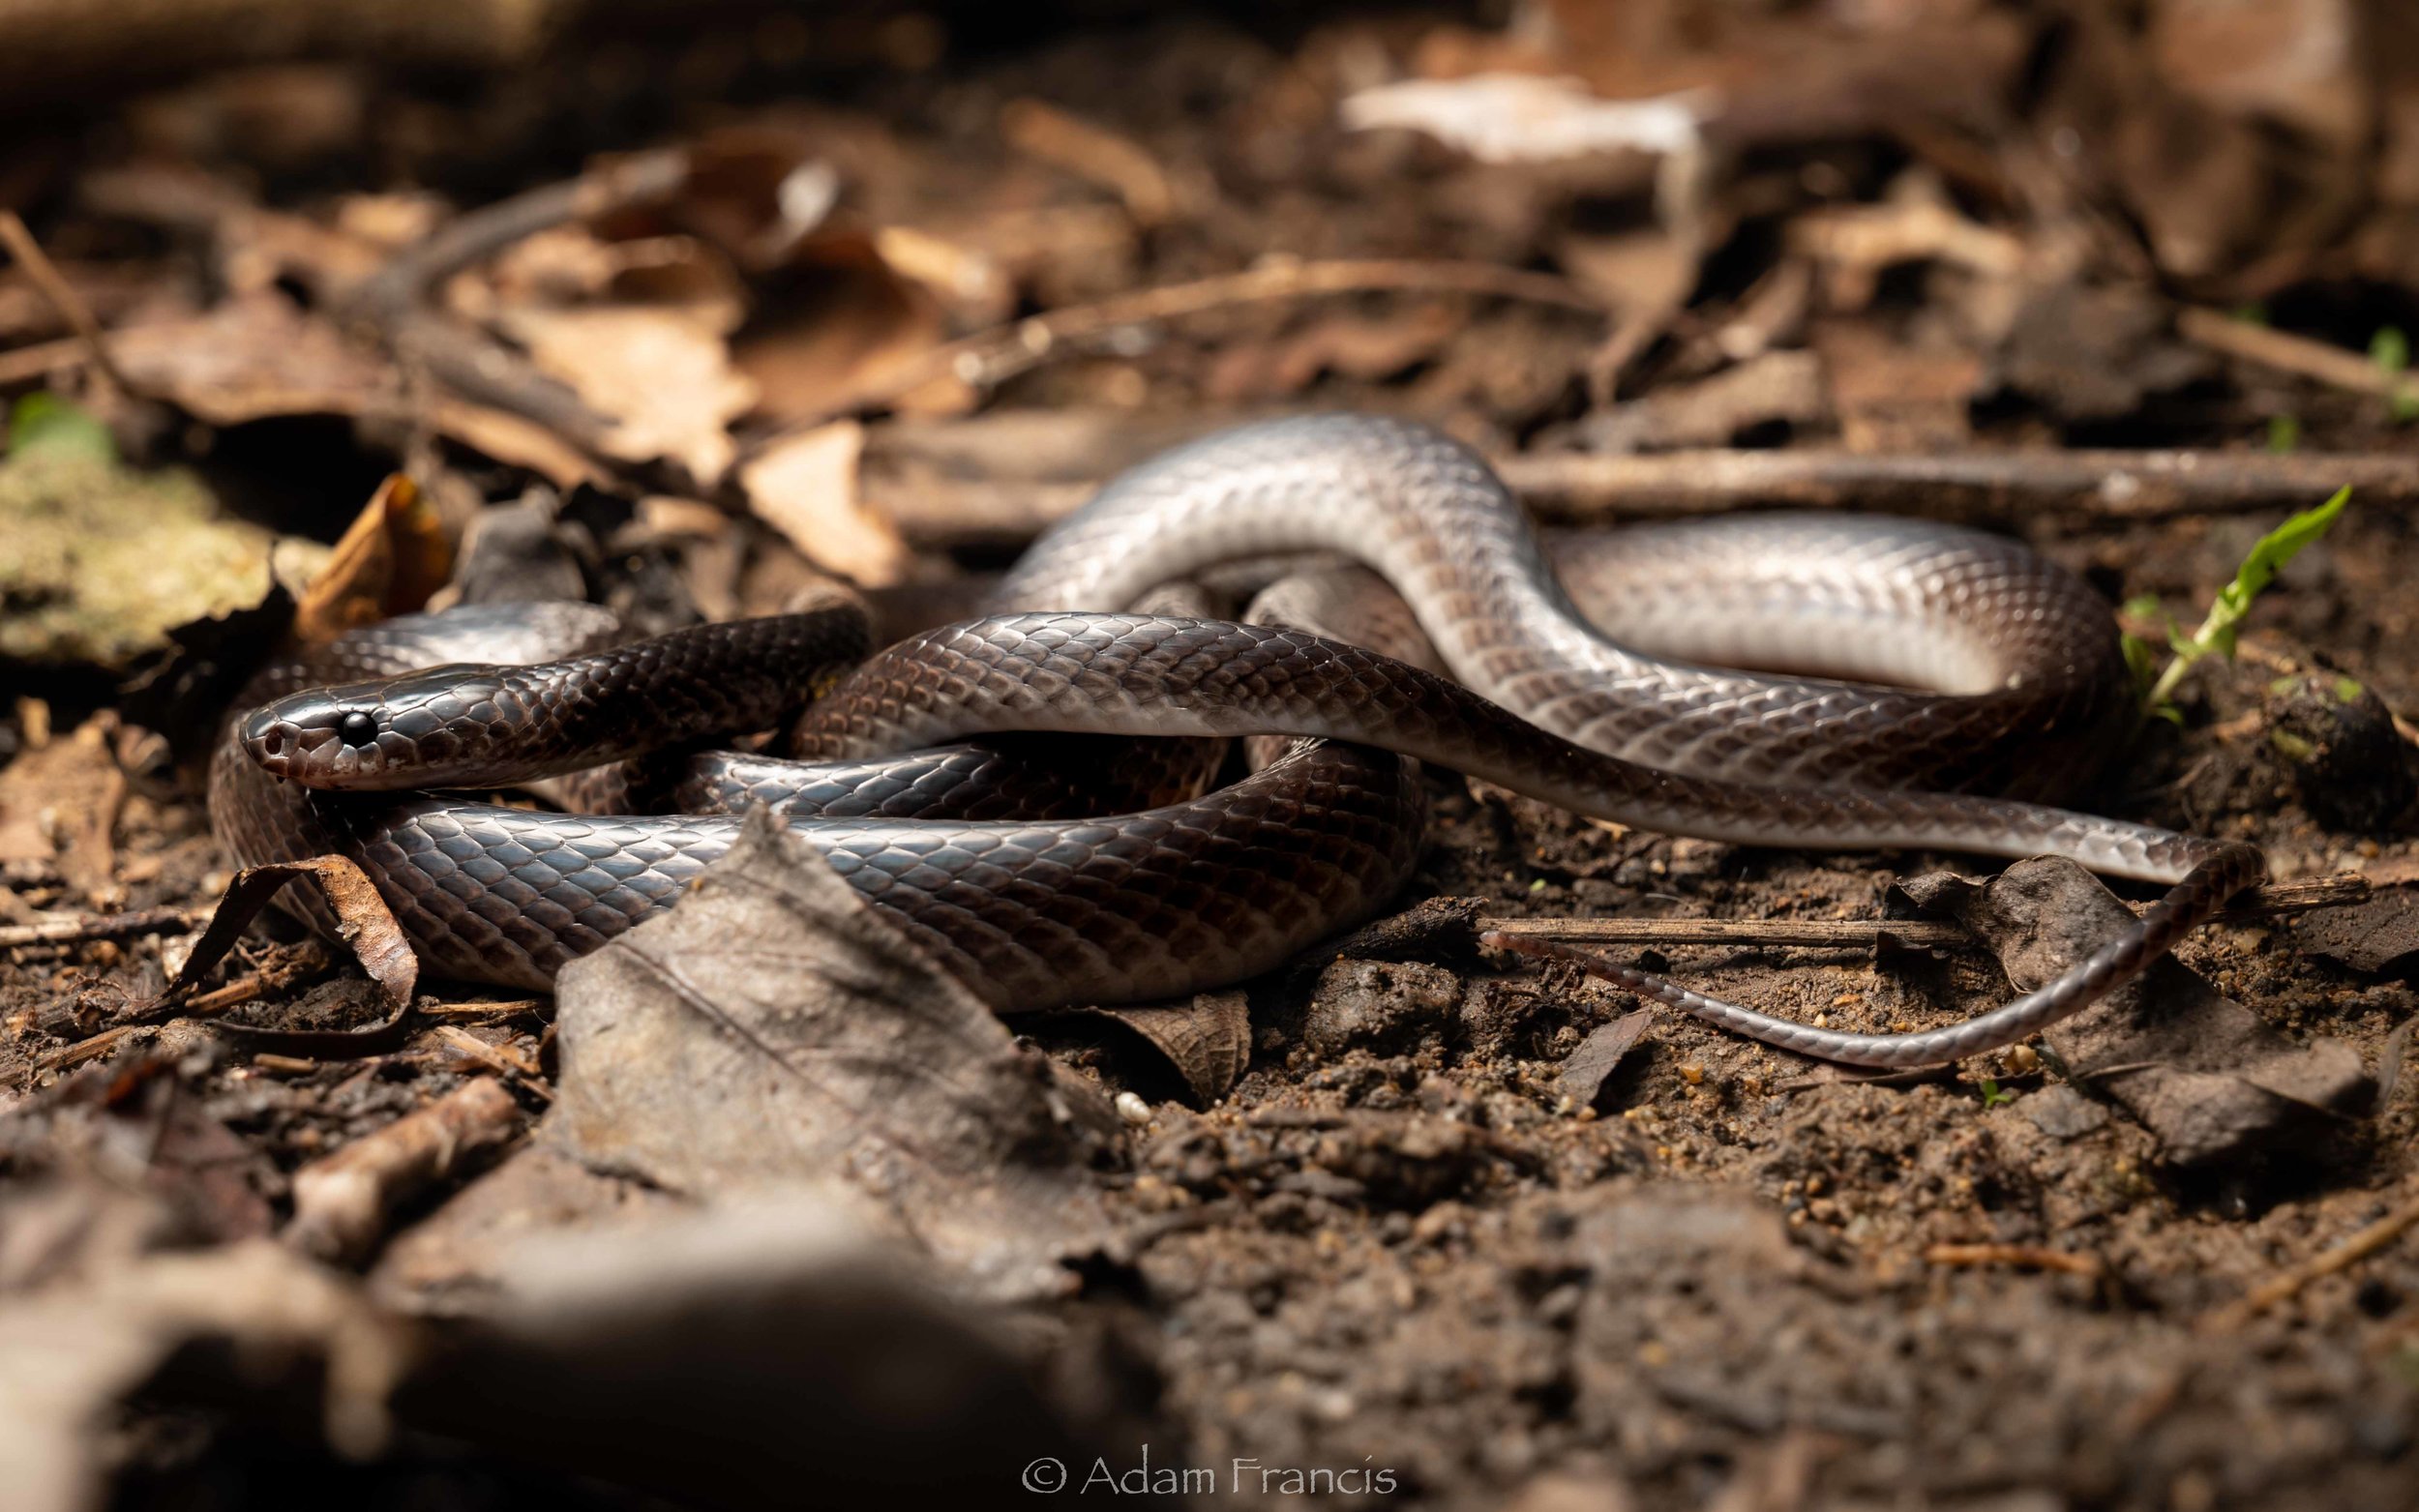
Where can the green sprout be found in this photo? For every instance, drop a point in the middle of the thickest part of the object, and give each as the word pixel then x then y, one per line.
pixel 2284 434
pixel 1992 1095
pixel 2390 350
pixel 2219 629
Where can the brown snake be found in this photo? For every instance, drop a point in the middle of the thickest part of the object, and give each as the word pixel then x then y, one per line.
pixel 1036 908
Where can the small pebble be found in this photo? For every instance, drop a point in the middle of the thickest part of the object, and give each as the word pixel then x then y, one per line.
pixel 2023 1060
pixel 1132 1109
pixel 1693 1073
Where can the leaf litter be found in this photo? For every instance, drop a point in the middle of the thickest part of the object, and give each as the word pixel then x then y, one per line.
pixel 1388 1217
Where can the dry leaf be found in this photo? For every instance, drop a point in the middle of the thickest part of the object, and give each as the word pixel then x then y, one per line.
pixel 361 920
pixel 847 333
pixel 1587 1069
pixel 774 1028
pixel 806 487
pixel 1206 1040
pixel 664 379
pixel 391 558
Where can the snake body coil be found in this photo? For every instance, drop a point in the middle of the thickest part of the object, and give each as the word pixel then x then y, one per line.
pixel 1034 908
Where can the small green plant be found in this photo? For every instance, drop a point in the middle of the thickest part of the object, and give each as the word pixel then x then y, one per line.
pixel 2218 628
pixel 1993 1095
pixel 2390 350
pixel 2284 434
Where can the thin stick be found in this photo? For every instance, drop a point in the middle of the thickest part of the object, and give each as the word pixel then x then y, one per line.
pixel 2262 903
pixel 103 925
pixel 2299 355
pixel 2288 1282
pixel 1589 488
pixel 2025 1256
pixel 62 296
pixel 2148 485
pixel 24 364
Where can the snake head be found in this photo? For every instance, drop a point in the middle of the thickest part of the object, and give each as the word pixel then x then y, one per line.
pixel 434 729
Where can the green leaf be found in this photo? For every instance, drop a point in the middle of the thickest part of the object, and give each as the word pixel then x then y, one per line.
pixel 46 423
pixel 2218 630
pixel 2267 560
pixel 2284 434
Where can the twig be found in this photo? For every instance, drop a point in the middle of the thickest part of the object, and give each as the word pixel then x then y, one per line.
pixel 63 297
pixel 2028 1256
pixel 101 926
pixel 2262 903
pixel 232 995
pixel 2148 485
pixel 1589 488
pixel 2288 1282
pixel 342 1202
pixel 2299 355
pixel 88 1049
pixel 514 1068
pixel 24 364
pixel 994 356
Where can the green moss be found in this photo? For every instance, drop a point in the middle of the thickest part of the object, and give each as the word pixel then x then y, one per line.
pixel 98 561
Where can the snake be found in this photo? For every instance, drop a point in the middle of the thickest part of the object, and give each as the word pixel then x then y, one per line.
pixel 1914 686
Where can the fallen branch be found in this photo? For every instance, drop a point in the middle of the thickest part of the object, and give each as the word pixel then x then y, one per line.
pixel 2289 1282
pixel 63 298
pixel 2299 355
pixel 2148 485
pixel 342 1202
pixel 1591 489
pixel 85 929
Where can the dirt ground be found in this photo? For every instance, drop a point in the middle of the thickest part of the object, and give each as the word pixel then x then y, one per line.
pixel 1413 1242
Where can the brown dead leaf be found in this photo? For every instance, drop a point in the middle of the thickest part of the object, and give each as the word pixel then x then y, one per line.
pixel 850 330
pixel 662 378
pixel 390 559
pixel 1587 1069
pixel 774 1028
pixel 1206 1040
pixel 362 920
pixel 2207 1076
pixel 253 357
pixel 807 486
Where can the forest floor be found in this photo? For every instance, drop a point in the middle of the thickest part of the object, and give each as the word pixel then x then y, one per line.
pixel 1437 1223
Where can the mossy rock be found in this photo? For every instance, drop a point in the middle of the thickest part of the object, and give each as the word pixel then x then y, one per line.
pixel 98 561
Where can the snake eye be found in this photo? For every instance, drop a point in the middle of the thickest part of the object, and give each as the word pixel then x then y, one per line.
pixel 357 728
